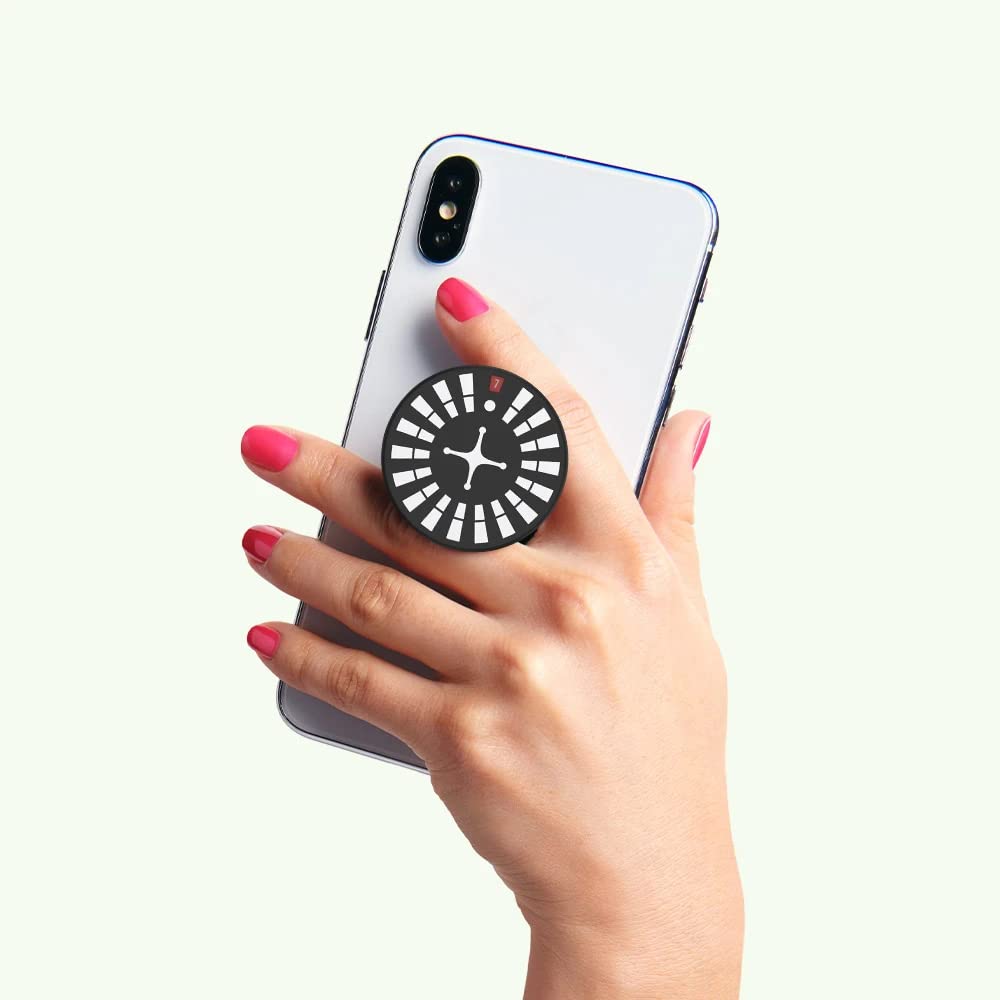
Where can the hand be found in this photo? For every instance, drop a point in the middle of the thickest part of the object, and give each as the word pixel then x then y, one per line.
pixel 577 730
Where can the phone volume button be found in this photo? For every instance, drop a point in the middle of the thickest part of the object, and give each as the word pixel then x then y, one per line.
pixel 670 402
pixel 684 349
pixel 378 301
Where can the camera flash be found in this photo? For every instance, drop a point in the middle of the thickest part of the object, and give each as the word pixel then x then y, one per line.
pixel 448 210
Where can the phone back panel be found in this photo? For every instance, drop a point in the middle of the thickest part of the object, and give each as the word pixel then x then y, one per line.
pixel 599 265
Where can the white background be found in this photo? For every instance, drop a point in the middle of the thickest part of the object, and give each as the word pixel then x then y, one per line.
pixel 196 199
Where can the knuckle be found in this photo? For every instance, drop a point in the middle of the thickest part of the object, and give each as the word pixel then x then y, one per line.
pixel 642 559
pixel 501 338
pixel 464 722
pixel 306 670
pixel 392 525
pixel 576 604
pixel 680 512
pixel 574 413
pixel 347 681
pixel 473 740
pixel 375 593
pixel 327 472
pixel 649 572
pixel 521 665
pixel 676 526
pixel 291 565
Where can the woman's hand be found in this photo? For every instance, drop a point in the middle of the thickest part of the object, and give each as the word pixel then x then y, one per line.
pixel 577 730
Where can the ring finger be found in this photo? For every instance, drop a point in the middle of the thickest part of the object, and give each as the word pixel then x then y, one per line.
pixel 376 601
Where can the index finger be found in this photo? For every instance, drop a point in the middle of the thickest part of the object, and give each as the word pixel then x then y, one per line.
pixel 597 487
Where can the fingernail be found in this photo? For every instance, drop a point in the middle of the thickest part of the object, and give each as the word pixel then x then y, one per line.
pixel 269 448
pixel 263 640
pixel 258 542
pixel 461 300
pixel 699 444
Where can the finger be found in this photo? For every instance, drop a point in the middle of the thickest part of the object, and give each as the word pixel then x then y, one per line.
pixel 481 333
pixel 396 700
pixel 375 601
pixel 352 492
pixel 668 491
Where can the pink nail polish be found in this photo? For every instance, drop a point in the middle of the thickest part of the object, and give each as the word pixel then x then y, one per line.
pixel 259 541
pixel 461 300
pixel 263 640
pixel 699 444
pixel 269 448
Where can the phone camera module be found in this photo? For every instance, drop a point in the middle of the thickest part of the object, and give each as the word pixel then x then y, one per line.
pixel 448 209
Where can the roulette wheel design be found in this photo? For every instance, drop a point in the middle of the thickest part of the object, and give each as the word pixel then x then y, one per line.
pixel 474 458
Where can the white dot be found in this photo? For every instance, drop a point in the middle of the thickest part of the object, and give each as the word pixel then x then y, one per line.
pixel 489 405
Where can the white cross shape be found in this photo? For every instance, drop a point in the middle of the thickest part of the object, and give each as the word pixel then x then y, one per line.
pixel 474 458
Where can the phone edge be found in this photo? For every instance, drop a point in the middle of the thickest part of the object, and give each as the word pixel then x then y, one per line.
pixel 663 409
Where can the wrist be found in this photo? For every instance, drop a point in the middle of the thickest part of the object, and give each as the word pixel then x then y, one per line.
pixel 682 941
pixel 589 966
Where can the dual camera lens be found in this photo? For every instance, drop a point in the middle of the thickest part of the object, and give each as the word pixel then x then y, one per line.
pixel 445 221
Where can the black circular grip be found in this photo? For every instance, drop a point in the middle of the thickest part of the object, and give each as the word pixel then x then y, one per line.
pixel 474 458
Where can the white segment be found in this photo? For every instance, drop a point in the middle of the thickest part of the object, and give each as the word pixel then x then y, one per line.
pixel 422 406
pixel 470 404
pixel 414 500
pixel 549 441
pixel 468 386
pixel 481 532
pixel 526 464
pixel 460 510
pixel 436 420
pixel 479 512
pixel 407 427
pixel 528 446
pixel 443 502
pixel 402 478
pixel 526 512
pixel 522 397
pixel 455 530
pixel 539 417
pixel 521 428
pixel 506 528
pixel 451 408
pixel 525 484
pixel 497 507
pixel 441 388
pixel 542 491
pixel 509 415
pixel 552 468
pixel 423 473
pixel 430 490
pixel 432 518
pixel 421 453
pixel 398 451
pixel 425 436
pixel 512 497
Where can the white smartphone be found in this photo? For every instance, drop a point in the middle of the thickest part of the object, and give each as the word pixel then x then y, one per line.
pixel 601 266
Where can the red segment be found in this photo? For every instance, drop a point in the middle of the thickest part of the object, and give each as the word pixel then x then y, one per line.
pixel 496 383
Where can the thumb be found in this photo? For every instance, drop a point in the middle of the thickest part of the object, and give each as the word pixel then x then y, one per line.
pixel 668 490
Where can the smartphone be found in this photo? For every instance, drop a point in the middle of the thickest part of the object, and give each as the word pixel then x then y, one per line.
pixel 601 266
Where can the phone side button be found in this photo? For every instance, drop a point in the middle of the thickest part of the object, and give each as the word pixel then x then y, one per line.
pixel 670 402
pixel 375 305
pixel 684 349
